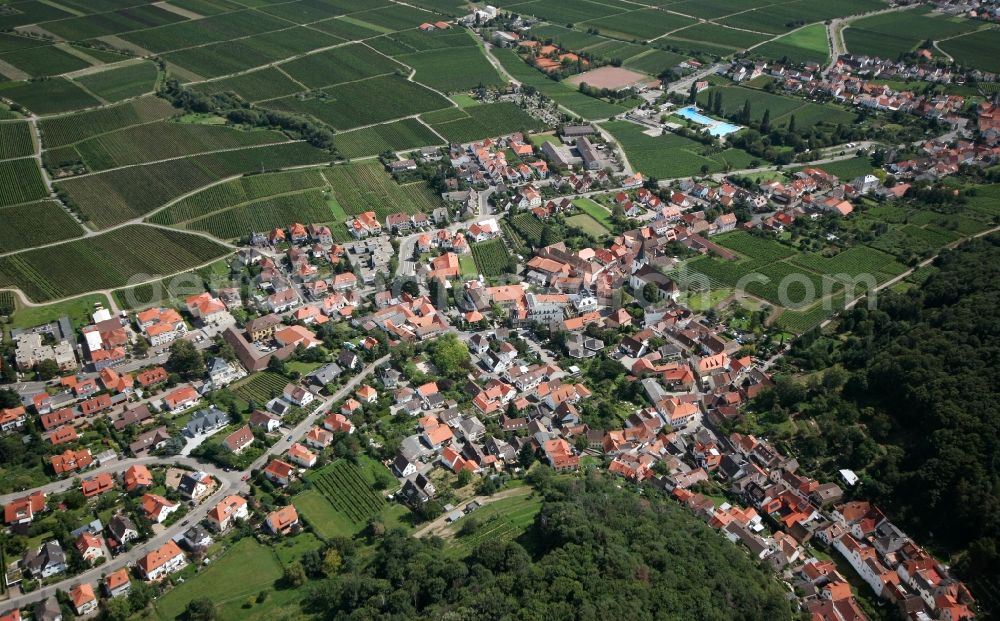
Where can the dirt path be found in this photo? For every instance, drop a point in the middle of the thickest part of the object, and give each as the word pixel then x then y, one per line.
pixel 440 525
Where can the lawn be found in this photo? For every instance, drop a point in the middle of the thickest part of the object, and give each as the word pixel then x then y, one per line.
pixel 587 224
pixel 700 301
pixel 468 265
pixel 463 100
pixel 845 169
pixel 540 139
pixel 595 211
pixel 808 44
pixel 78 310
pixel 326 521
pixel 244 570
pixel 671 156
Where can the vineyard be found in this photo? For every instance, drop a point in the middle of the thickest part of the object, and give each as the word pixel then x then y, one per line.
pixel 7 305
pixel 365 102
pixel 502 521
pixel 306 207
pixel 67 129
pixel 453 69
pixel 15 140
pixel 159 141
pixel 529 228
pixel 20 182
pixel 346 497
pixel 107 261
pixel 116 196
pixel 492 258
pixel 122 82
pixel 34 224
pixel 238 192
pixel 487 120
pixel 365 186
pixel 397 136
pixel 48 96
pixel 338 65
pixel 260 387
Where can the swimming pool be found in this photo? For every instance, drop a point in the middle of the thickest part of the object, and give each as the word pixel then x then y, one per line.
pixel 715 128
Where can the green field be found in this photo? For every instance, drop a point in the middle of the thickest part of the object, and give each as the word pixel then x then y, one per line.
pixel 670 156
pixel 70 128
pixel 106 261
pixel 485 121
pixel 20 182
pixel 529 228
pixel 976 50
pixel 260 387
pixel 116 196
pixel 491 257
pixel 306 207
pixel 373 100
pixel 891 34
pixel 501 521
pixel 341 500
pixel 396 136
pixel 366 186
pixel 242 572
pixel 257 85
pixel 587 224
pixel 79 311
pixel 468 267
pixel 238 192
pixel 48 96
pixel 453 69
pixel 846 170
pixel 15 140
pixel 120 83
pixel 808 44
pixel 595 211
pixel 34 224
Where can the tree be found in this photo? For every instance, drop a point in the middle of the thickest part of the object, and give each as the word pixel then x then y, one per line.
pixel 117 609
pixel 9 398
pixel 47 369
pixel 332 562
pixel 791 124
pixel 450 356
pixel 201 609
pixel 526 456
pixel 186 360
pixel 745 115
pixel 140 347
pixel 693 93
pixel 464 478
pixel 295 574
pixel 765 122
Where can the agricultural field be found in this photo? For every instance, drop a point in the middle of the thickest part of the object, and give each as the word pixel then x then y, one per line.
pixel 808 44
pixel 338 65
pixel 365 186
pixel 15 140
pixel 260 387
pixel 396 136
pixel 529 228
pixel 309 207
pixel 495 119
pixel 116 196
pixel 157 141
pixel 670 156
pixel 49 96
pixel 20 181
pixel 453 69
pixel 364 102
pixel 890 34
pixel 844 169
pixel 491 257
pixel 121 83
pixel 106 261
pixel 67 129
pixel 783 17
pixel 654 62
pixel 715 34
pixel 35 224
pixel 348 500
pixel 976 50
pixel 638 24
pixel 42 61
pixel 263 84
pixel 238 192
pixel 500 521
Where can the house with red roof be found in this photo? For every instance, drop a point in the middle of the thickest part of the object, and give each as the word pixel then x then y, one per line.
pixel 279 472
pixel 230 508
pixel 282 521
pixel 166 559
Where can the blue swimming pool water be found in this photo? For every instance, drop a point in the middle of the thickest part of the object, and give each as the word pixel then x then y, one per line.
pixel 715 128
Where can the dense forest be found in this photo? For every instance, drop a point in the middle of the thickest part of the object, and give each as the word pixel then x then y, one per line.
pixel 594 552
pixel 909 399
